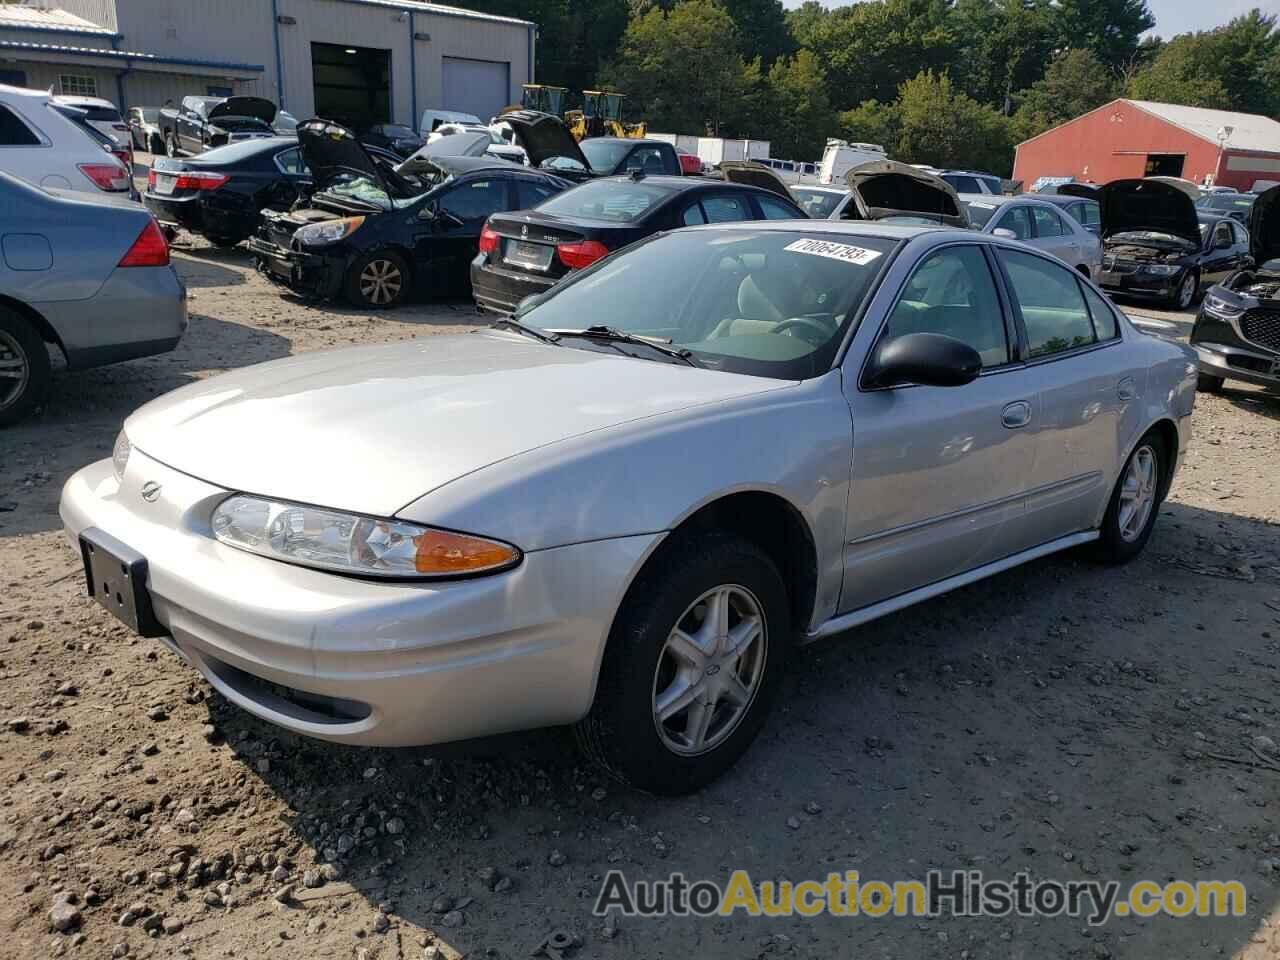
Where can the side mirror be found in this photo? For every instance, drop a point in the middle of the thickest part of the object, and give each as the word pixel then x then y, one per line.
pixel 1004 232
pixel 427 211
pixel 928 359
pixel 1222 243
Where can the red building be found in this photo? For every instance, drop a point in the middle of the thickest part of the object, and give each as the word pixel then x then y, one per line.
pixel 1138 138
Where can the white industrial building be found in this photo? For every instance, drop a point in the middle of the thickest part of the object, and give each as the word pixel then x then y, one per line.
pixel 379 60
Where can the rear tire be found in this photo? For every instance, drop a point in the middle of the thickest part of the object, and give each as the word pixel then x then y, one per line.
pixel 170 145
pixel 24 368
pixel 683 691
pixel 1135 502
pixel 1207 383
pixel 377 281
pixel 155 145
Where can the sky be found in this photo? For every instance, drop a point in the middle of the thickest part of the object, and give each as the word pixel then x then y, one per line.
pixel 1172 16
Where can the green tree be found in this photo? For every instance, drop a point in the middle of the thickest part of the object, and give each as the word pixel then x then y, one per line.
pixel 681 67
pixel 940 126
pixel 575 37
pixel 1185 71
pixel 1002 46
pixel 805 20
pixel 1249 51
pixel 1110 28
pixel 1074 83
pixel 762 29
pixel 798 107
pixel 872 122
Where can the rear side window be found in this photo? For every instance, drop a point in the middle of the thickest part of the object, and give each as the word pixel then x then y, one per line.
pixel 530 194
pixel 776 209
pixel 725 209
pixel 1047 223
pixel 476 199
pixel 14 132
pixel 1053 308
pixel 1087 213
pixel 290 162
pixel 1104 318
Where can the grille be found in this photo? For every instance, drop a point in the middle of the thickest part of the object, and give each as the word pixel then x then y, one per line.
pixel 1256 364
pixel 1262 327
pixel 1116 265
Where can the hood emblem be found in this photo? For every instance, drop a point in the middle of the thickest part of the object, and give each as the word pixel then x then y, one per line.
pixel 151 491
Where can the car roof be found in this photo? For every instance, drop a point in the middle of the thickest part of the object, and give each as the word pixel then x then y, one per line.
pixel 852 228
pixel 1062 199
pixel 93 101
pixel 6 90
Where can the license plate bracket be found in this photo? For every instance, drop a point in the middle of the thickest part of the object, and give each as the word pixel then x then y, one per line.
pixel 531 256
pixel 116 576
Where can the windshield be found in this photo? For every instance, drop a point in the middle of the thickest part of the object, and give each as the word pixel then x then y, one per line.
pixel 818 204
pixel 770 303
pixel 604 155
pixel 979 212
pixel 619 201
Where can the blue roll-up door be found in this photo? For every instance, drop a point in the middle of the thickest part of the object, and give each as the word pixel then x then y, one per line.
pixel 481 87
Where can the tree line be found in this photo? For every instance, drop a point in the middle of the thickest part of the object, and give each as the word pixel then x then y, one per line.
pixel 949 82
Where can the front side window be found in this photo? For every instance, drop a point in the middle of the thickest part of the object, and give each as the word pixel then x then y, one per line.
pixel 1047 223
pixel 953 293
pixel 76 85
pixel 772 303
pixel 1052 306
pixel 648 160
pixel 726 209
pixel 776 209
pixel 1238 233
pixel 818 204
pixel 475 199
pixel 693 215
pixel 14 131
pixel 1018 220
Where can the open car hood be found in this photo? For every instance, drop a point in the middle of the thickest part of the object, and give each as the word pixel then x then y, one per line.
pixel 330 150
pixel 754 175
pixel 1264 227
pixel 464 144
pixel 1087 190
pixel 887 188
pixel 1159 206
pixel 543 136
pixel 254 107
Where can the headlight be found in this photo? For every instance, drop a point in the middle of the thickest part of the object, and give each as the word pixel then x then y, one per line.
pixel 331 231
pixel 120 455
pixel 1161 269
pixel 348 543
pixel 1219 308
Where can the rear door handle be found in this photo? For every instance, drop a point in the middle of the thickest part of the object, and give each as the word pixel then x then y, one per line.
pixel 1126 388
pixel 1016 414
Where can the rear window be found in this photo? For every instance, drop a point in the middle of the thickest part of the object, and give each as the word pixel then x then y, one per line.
pixel 604 156
pixel 235 152
pixel 102 114
pixel 613 200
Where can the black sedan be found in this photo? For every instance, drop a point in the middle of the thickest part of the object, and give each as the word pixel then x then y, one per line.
pixel 527 252
pixel 1234 205
pixel 396 137
pixel 219 194
pixel 1155 244
pixel 378 236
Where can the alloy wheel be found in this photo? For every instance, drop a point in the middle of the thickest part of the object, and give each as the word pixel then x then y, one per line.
pixel 1137 493
pixel 1187 291
pixel 709 670
pixel 15 370
pixel 380 282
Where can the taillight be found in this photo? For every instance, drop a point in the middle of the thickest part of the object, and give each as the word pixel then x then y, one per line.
pixel 575 256
pixel 149 250
pixel 106 176
pixel 488 240
pixel 151 178
pixel 124 157
pixel 199 180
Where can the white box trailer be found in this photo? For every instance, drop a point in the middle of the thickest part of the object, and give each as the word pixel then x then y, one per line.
pixel 841 156
pixel 681 141
pixel 714 150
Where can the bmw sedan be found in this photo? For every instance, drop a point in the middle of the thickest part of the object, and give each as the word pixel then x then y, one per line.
pixel 623 507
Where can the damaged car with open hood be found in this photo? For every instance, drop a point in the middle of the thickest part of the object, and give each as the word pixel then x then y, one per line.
pixel 377 234
pixel 883 190
pixel 1237 333
pixel 1157 245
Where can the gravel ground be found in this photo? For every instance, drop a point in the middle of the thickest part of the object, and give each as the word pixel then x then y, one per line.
pixel 1064 719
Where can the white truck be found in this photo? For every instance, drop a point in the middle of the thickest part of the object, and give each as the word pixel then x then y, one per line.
pixel 841 156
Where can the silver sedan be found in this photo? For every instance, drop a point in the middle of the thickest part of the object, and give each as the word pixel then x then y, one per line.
pixel 1038 223
pixel 624 507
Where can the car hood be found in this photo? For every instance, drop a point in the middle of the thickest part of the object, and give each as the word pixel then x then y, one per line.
pixel 255 107
pixel 1264 226
pixel 1146 205
pixel 887 188
pixel 372 429
pixel 755 175
pixel 330 150
pixel 543 136
pixel 1087 190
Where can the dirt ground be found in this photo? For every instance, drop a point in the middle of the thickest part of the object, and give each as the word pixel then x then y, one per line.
pixel 1064 719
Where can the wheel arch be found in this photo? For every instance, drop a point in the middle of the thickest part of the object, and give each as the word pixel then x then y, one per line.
pixel 37 321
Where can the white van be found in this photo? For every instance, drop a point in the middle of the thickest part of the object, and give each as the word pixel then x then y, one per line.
pixel 433 118
pixel 841 156
pixel 44 147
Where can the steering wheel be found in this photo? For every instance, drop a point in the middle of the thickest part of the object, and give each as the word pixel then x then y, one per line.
pixel 803 324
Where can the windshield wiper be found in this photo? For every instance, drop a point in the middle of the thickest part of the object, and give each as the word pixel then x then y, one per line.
pixel 614 335
pixel 511 323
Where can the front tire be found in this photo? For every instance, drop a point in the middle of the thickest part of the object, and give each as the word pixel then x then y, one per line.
pixel 170 145
pixel 1135 502
pixel 24 368
pixel 692 665
pixel 1187 290
pixel 378 281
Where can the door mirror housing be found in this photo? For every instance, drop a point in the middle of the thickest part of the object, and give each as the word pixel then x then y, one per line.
pixel 427 211
pixel 1222 243
pixel 1004 233
pixel 927 359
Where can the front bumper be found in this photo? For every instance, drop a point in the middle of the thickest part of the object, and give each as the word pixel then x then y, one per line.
pixel 1234 363
pixel 499 290
pixel 358 661
pixel 309 274
pixel 1138 284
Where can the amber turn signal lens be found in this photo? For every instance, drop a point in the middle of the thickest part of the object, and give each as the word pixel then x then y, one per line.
pixel 441 553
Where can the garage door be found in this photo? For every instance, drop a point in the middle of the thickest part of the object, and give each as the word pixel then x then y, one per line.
pixel 482 87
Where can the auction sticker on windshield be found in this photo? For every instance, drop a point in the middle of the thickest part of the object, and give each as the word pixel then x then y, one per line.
pixel 836 251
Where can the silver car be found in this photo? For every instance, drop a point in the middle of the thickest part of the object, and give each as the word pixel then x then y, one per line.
pixel 88 275
pixel 624 506
pixel 1040 224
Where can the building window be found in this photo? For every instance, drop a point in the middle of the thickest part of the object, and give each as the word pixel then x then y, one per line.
pixel 76 85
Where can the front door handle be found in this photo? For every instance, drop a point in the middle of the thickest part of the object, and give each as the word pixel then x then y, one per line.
pixel 1016 414
pixel 1126 388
